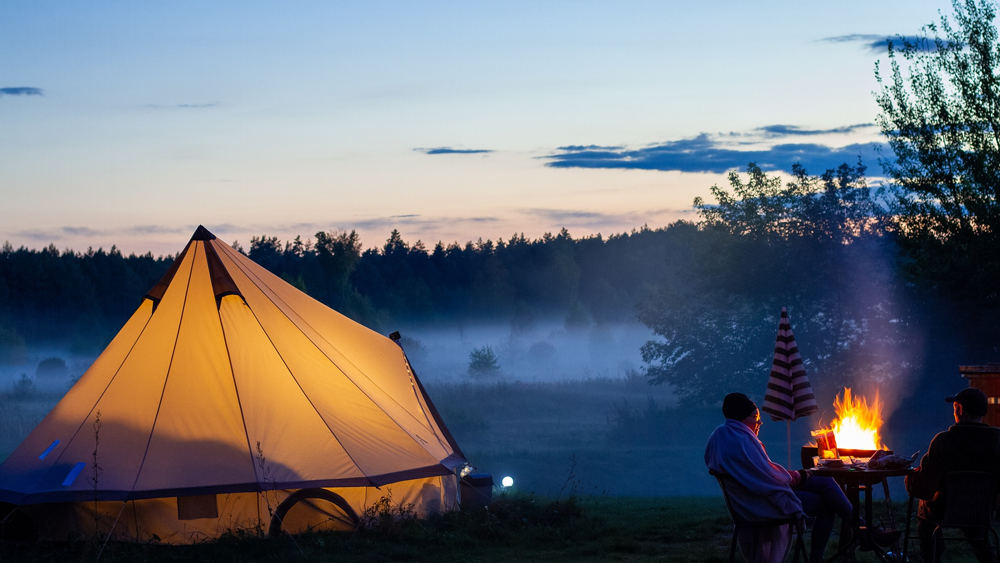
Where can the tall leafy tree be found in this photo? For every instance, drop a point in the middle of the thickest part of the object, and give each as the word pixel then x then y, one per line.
pixel 812 244
pixel 759 207
pixel 940 112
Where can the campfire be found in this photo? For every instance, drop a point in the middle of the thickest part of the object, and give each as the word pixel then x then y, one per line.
pixel 857 423
pixel 855 428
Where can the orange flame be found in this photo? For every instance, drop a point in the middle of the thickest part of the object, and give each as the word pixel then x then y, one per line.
pixel 858 423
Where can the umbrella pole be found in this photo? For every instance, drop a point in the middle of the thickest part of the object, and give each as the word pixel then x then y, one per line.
pixel 788 427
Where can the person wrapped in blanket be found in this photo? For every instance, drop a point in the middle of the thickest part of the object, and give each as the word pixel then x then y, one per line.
pixel 764 490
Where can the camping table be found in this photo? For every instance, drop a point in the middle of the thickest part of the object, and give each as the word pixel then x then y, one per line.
pixel 854 481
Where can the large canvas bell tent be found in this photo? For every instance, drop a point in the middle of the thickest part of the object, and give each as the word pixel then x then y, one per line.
pixel 226 398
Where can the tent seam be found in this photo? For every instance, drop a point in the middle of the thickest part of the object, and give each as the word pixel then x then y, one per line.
pixel 236 389
pixel 304 394
pixel 419 388
pixel 334 363
pixel 416 394
pixel 56 460
pixel 173 353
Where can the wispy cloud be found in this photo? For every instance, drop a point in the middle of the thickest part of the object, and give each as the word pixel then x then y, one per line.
pixel 773 131
pixel 880 43
pixel 449 150
pixel 140 230
pixel 57 233
pixel 81 231
pixel 21 91
pixel 597 220
pixel 184 106
pixel 705 154
pixel 566 214
pixel 389 222
pixel 590 148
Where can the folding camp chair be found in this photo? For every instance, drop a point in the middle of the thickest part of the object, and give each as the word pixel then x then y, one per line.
pixel 739 523
pixel 971 502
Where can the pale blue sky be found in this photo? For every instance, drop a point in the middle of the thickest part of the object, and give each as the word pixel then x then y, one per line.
pixel 130 123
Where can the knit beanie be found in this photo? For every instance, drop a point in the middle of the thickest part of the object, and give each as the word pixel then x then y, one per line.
pixel 738 406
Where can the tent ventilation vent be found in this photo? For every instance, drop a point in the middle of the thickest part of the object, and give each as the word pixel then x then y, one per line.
pixel 197 506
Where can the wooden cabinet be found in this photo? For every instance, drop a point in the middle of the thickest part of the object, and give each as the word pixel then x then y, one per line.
pixel 987 379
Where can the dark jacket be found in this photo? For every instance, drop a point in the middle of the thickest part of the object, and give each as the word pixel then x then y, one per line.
pixel 966 446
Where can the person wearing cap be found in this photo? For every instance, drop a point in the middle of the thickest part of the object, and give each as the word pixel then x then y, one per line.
pixel 968 445
pixel 765 490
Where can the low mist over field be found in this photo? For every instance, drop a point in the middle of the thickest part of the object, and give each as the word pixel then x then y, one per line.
pixel 568 410
pixel 544 352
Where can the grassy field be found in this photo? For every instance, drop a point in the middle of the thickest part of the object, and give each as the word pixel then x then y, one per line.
pixel 517 528
pixel 626 453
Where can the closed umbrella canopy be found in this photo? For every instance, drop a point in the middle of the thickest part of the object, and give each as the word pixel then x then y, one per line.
pixel 789 394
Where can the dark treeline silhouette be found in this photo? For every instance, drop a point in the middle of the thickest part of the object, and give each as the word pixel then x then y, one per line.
pixel 52 296
pixel 585 280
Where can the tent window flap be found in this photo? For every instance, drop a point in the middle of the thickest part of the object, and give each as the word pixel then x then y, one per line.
pixel 199 506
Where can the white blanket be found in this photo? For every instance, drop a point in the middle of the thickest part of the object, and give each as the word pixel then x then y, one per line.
pixel 759 489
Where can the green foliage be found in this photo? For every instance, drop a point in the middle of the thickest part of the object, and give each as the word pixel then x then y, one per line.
pixel 483 363
pixel 759 207
pixel 387 519
pixel 48 295
pixel 815 244
pixel 710 343
pixel 835 206
pixel 940 113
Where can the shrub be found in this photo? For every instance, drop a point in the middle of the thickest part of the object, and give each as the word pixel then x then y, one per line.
pixel 483 363
pixel 52 367
pixel 388 519
pixel 23 388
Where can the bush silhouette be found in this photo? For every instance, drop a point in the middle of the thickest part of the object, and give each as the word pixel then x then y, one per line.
pixel 483 363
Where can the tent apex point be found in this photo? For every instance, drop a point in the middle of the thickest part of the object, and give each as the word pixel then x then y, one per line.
pixel 201 233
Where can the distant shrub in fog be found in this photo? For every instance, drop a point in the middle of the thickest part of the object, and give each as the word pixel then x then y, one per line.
pixel 23 388
pixel 629 424
pixel 12 348
pixel 483 363
pixel 543 352
pixel 52 368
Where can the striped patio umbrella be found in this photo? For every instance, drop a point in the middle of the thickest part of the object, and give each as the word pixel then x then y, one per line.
pixel 789 394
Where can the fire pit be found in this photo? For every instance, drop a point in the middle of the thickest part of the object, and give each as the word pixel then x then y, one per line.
pixel 808 452
pixel 856 428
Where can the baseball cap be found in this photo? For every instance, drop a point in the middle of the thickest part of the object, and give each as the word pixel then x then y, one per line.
pixel 972 400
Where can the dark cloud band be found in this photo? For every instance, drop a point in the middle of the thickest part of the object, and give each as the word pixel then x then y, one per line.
pixel 20 91
pixel 880 43
pixel 792 130
pixel 449 150
pixel 703 154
